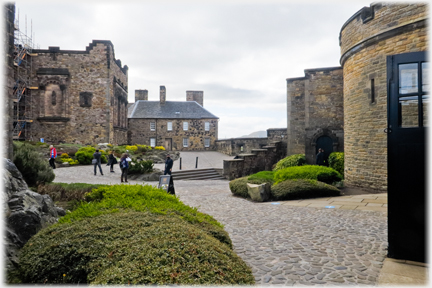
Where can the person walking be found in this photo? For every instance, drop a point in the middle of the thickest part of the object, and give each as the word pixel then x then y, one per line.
pixel 320 157
pixel 168 165
pixel 53 155
pixel 111 161
pixel 124 166
pixel 97 161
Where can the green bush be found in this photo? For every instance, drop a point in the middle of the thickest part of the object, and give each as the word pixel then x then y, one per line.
pixel 302 189
pixel 133 235
pixel 336 161
pixel 239 188
pixel 290 161
pixel 129 249
pixel 314 172
pixel 85 155
pixel 140 167
pixel 261 177
pixel 33 166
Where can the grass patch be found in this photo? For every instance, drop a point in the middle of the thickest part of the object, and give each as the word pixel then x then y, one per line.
pixel 313 172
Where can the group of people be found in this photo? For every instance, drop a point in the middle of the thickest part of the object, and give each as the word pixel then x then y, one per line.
pixel 112 160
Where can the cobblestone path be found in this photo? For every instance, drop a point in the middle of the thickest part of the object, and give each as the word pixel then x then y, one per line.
pixel 289 245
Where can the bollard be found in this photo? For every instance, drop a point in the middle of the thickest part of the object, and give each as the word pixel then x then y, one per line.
pixel 196 163
pixel 180 163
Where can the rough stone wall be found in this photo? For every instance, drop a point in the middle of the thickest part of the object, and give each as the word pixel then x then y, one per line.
pixel 9 16
pixel 233 146
pixel 140 133
pixel 315 109
pixel 394 29
pixel 295 115
pixel 81 95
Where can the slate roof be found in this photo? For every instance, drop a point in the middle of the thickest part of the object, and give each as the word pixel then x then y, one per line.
pixel 154 110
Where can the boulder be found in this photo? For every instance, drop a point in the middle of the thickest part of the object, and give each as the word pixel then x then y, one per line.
pixel 259 192
pixel 26 212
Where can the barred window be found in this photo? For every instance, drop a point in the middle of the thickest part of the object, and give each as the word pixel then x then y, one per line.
pixel 207 126
pixel 169 126
pixel 185 142
pixel 152 126
pixel 206 142
pixel 185 126
pixel 152 142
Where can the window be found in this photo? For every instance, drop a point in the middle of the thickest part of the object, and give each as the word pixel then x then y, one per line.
pixel 152 126
pixel 185 126
pixel 152 142
pixel 169 126
pixel 207 126
pixel 185 142
pixel 372 91
pixel 206 142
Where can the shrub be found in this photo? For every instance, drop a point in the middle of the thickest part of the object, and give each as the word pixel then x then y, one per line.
pixel 85 155
pixel 34 168
pixel 159 148
pixel 261 177
pixel 70 161
pixel 130 248
pixel 238 187
pixel 143 148
pixel 290 161
pixel 302 189
pixel 132 148
pixel 336 161
pixel 314 172
pixel 140 167
pixel 64 155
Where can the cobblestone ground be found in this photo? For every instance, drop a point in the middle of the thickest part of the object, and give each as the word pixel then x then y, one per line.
pixel 290 245
pixel 284 245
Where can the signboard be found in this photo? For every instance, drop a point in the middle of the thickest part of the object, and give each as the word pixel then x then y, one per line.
pixel 166 183
pixel 42 140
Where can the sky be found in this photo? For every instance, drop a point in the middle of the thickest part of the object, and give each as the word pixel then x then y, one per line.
pixel 239 53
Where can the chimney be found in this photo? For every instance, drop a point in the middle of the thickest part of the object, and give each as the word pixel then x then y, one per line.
pixel 197 96
pixel 162 95
pixel 141 95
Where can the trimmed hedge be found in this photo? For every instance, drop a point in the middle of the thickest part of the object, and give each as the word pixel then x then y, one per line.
pixel 261 177
pixel 314 172
pixel 302 189
pixel 290 161
pixel 336 161
pixel 34 168
pixel 130 248
pixel 239 186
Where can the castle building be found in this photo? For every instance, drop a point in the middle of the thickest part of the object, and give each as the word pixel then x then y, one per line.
pixel 175 125
pixel 382 128
pixel 315 113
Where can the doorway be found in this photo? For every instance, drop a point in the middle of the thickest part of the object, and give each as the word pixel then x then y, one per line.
pixel 408 102
pixel 168 144
pixel 326 143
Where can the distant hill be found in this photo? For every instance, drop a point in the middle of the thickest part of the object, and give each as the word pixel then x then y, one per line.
pixel 257 134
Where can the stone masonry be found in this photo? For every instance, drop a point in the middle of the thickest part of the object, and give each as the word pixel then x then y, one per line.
pixel 315 109
pixel 79 96
pixel 366 39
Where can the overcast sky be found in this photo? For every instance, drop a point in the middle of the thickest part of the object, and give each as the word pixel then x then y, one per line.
pixel 239 53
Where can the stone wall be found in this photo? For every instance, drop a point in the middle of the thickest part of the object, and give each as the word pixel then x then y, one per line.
pixel 197 96
pixel 366 39
pixel 9 17
pixel 80 96
pixel 256 161
pixel 140 133
pixel 235 146
pixel 315 110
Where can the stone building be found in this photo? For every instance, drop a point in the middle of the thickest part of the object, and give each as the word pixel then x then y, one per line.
pixel 81 96
pixel 315 113
pixel 386 98
pixel 175 125
pixel 9 80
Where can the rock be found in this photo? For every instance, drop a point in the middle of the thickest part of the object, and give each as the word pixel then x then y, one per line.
pixel 153 176
pixel 26 212
pixel 259 192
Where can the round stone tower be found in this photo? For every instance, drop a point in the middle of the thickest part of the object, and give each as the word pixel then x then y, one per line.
pixel 366 39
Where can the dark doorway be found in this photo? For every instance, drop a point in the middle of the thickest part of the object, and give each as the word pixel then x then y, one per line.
pixel 408 100
pixel 326 143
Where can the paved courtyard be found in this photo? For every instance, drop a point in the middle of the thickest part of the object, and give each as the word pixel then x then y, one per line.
pixel 284 244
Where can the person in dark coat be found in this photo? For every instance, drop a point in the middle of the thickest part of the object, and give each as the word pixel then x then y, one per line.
pixel 168 165
pixel 97 155
pixel 320 157
pixel 111 161
pixel 124 166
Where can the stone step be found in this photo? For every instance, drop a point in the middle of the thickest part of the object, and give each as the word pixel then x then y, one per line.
pixel 197 174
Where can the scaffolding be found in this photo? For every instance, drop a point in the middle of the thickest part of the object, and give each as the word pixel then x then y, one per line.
pixel 23 114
